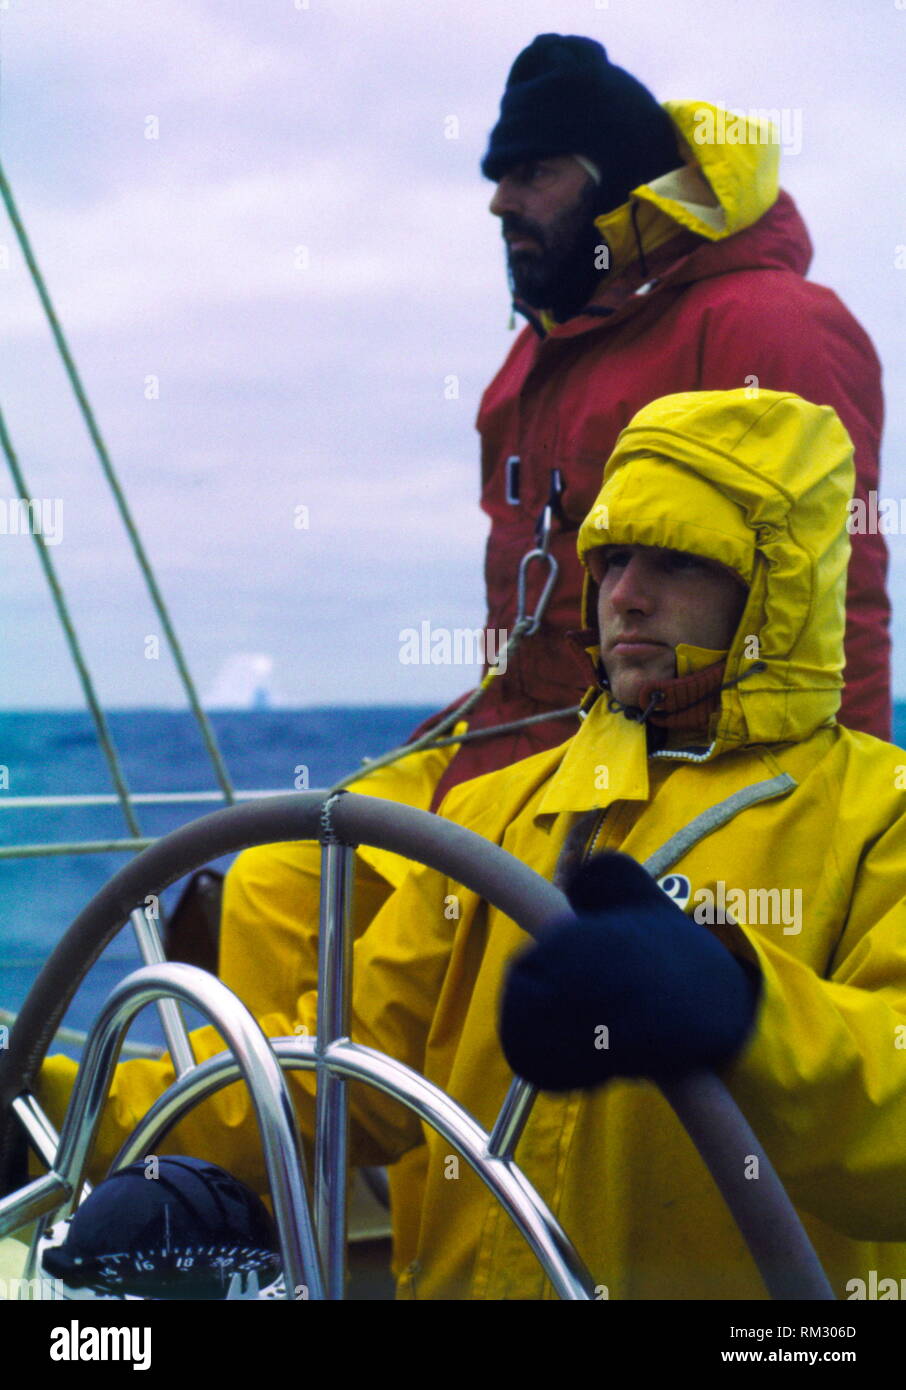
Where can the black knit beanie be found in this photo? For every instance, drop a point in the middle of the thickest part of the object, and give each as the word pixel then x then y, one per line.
pixel 563 96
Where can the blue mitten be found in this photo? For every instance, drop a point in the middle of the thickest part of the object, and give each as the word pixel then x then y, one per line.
pixel 630 986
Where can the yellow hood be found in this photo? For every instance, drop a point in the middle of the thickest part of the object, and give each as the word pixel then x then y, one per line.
pixel 761 485
pixel 729 180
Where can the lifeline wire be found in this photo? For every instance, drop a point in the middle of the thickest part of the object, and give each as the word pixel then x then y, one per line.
pixel 75 1037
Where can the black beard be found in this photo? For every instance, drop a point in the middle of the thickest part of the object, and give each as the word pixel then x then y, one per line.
pixel 562 276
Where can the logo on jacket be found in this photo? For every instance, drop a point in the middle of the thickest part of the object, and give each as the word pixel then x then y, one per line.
pixel 677 887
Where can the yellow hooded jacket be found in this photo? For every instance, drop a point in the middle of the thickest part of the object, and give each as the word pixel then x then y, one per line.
pixel 783 831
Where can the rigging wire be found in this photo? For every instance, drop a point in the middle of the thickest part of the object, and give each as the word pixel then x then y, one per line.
pixel 102 728
pixel 207 732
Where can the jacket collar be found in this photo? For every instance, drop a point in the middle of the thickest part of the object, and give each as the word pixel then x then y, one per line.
pixel 779 240
pixel 606 761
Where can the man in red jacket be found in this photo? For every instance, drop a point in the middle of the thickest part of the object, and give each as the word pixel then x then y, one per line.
pixel 652 251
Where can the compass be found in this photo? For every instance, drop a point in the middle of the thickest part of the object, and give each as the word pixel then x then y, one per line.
pixel 190 1231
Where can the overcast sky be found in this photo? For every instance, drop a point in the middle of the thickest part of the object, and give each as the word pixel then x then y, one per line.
pixel 301 258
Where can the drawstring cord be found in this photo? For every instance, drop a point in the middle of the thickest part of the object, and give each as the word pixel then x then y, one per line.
pixel 638 716
pixel 634 213
pixel 634 712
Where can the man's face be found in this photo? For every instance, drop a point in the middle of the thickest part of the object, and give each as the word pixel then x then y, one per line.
pixel 547 211
pixel 650 600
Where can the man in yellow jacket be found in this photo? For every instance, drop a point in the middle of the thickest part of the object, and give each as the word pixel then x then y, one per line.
pixel 712 757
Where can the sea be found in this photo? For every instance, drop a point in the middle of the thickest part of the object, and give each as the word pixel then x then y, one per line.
pixel 56 753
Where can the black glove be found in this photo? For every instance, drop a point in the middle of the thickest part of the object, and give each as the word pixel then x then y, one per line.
pixel 631 986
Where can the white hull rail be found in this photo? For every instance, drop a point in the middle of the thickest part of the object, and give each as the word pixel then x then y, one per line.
pixel 770 1225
